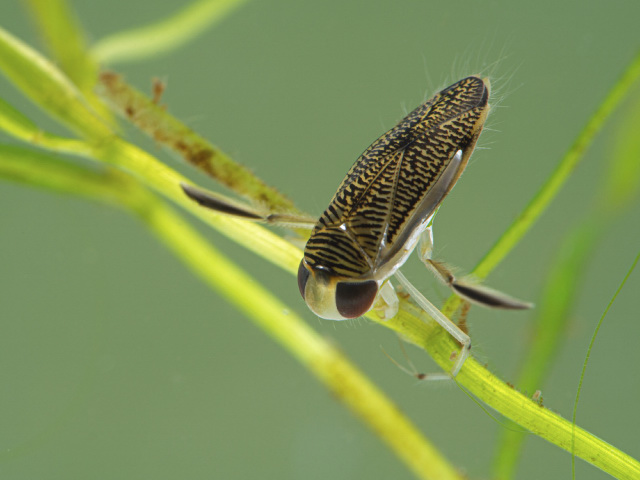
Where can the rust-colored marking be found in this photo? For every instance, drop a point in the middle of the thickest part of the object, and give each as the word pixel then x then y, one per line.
pixel 157 88
pixel 150 117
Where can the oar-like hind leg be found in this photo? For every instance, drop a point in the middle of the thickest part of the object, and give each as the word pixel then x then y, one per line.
pixel 473 292
pixel 222 204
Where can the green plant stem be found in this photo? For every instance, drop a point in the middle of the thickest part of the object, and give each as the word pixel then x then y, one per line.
pixel 548 329
pixel 154 120
pixel 166 181
pixel 539 203
pixel 509 402
pixel 63 35
pixel 163 36
pixel 49 88
pixel 586 360
pixel 333 369
pixel 66 41
pixel 619 188
pixel 560 175
pixel 16 124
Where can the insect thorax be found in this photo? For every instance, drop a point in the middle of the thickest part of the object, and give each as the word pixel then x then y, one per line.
pixel 334 250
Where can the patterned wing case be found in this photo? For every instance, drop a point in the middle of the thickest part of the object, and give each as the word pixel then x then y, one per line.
pixel 382 198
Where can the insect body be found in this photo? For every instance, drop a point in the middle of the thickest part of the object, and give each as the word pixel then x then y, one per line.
pixel 388 199
pixel 384 208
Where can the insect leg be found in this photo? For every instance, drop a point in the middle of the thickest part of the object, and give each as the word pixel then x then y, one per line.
pixel 412 370
pixel 439 317
pixel 475 293
pixel 390 299
pixel 221 204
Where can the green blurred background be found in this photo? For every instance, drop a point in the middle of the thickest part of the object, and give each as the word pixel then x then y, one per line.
pixel 116 362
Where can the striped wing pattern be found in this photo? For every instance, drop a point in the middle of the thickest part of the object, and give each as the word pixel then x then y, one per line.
pixel 382 192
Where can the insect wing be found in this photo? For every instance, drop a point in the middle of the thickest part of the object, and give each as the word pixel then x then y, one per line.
pixel 400 180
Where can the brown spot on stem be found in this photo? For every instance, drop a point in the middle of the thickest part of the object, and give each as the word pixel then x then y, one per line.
pixel 108 77
pixel 148 116
pixel 158 87
pixel 201 158
pixel 462 318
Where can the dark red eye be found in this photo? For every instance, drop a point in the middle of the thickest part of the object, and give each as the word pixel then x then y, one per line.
pixel 354 299
pixel 303 276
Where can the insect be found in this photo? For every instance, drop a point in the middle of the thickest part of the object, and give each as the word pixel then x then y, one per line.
pixel 384 209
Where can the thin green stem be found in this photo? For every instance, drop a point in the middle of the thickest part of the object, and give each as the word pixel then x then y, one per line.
pixel 620 184
pixel 506 400
pixel 165 35
pixel 18 125
pixel 586 361
pixel 66 41
pixel 155 121
pixel 560 175
pixel 166 181
pixel 41 81
pixel 539 203
pixel 549 327
pixel 332 368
